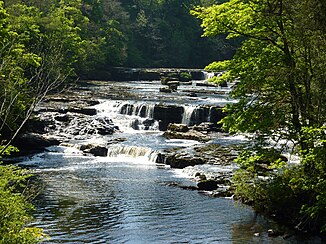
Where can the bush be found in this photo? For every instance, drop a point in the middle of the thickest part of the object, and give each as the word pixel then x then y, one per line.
pixel 294 194
pixel 15 208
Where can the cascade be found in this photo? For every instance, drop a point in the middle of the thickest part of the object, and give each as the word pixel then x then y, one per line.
pixel 141 110
pixel 187 114
pixel 194 115
pixel 128 114
pixel 126 109
pixel 133 152
pixel 149 110
pixel 208 75
pixel 153 117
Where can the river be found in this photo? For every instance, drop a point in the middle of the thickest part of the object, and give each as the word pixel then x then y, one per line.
pixel 126 197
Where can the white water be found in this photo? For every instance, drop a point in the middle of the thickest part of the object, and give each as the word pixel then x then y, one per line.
pixel 188 112
pixel 208 75
pixel 133 152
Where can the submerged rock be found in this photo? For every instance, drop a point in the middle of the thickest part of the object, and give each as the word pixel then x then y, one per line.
pixel 207 127
pixel 63 118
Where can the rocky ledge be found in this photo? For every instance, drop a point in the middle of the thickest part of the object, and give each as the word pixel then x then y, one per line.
pixel 210 165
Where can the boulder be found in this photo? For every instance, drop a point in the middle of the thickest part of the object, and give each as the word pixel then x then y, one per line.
pixel 165 89
pixel 36 125
pixel 85 111
pixel 200 176
pixel 167 114
pixel 181 161
pixel 215 115
pixel 207 185
pixel 166 79
pixel 96 150
pixel 160 159
pixel 34 142
pixel 178 127
pixel 147 123
pixel 106 130
pixel 173 85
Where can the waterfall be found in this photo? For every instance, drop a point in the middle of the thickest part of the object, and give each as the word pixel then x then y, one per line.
pixel 129 115
pixel 141 110
pixel 194 115
pixel 150 110
pixel 208 75
pixel 133 152
pixel 187 114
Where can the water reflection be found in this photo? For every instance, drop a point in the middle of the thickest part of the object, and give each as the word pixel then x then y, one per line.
pixel 91 200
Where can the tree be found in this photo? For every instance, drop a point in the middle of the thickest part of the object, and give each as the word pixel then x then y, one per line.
pixel 37 55
pixel 14 58
pixel 280 68
pixel 105 36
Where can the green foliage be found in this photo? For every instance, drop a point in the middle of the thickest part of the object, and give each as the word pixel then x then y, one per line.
pixel 14 59
pixel 295 194
pixel 185 76
pixel 277 84
pixel 280 73
pixel 314 180
pixel 163 34
pixel 14 208
pixel 276 195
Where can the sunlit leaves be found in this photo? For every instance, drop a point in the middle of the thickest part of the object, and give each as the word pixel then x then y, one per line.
pixel 280 85
pixel 14 209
